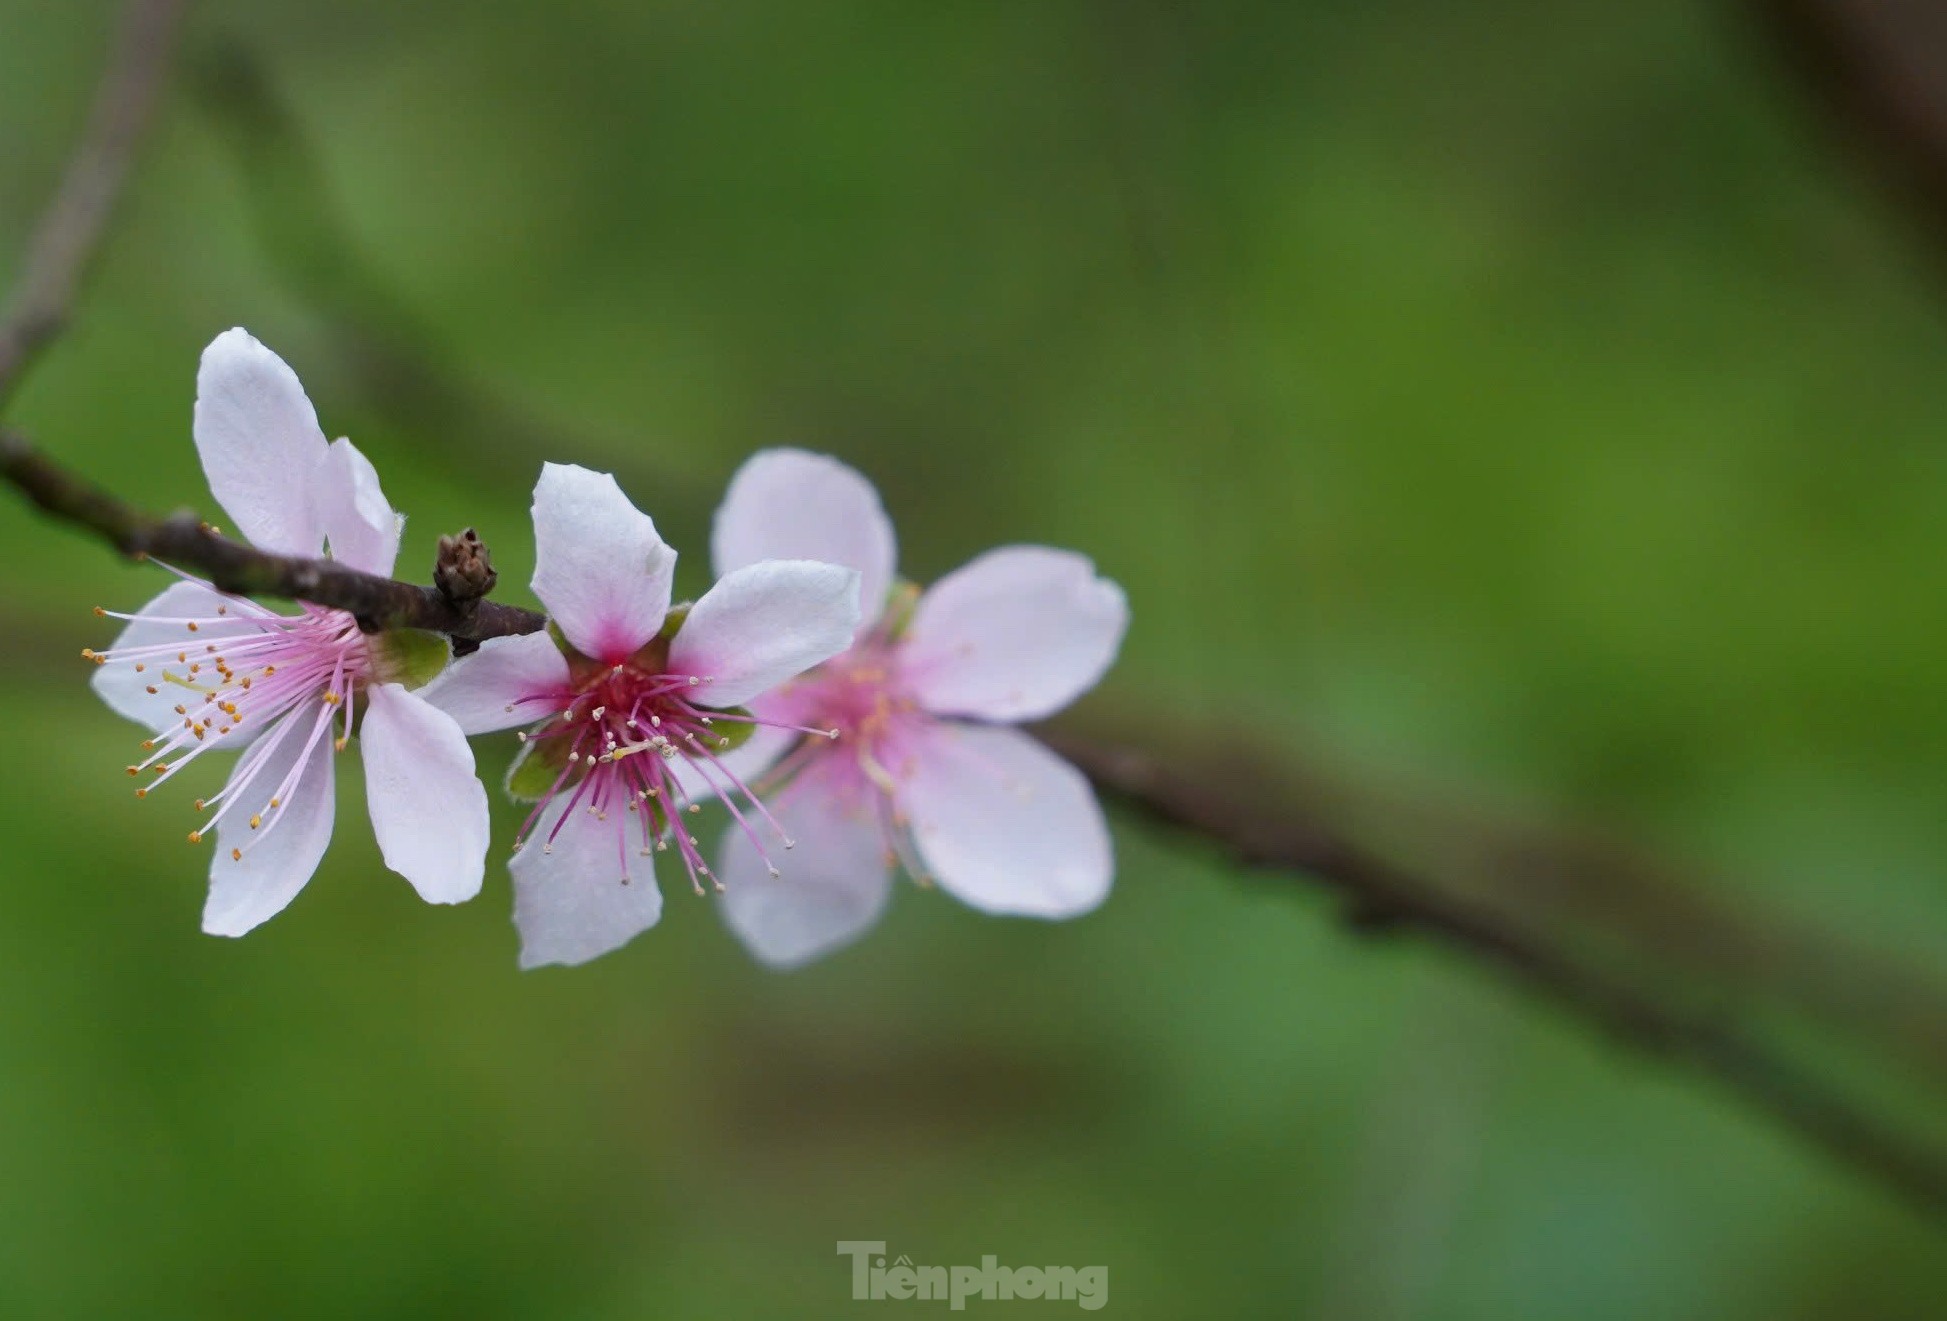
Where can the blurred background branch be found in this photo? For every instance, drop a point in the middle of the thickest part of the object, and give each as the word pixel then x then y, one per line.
pixel 1756 1007
pixel 1881 67
pixel 75 222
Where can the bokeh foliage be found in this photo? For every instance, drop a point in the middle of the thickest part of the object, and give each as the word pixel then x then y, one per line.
pixel 1525 408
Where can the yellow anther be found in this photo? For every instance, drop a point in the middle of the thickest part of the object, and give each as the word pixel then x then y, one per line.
pixel 141 793
pixel 196 837
pixel 135 770
pixel 255 821
pixel 192 626
pixel 275 803
pixel 87 653
pixel 99 612
pixel 236 855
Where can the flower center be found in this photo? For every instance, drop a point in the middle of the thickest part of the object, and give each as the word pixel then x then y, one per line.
pixel 242 673
pixel 864 696
pixel 632 743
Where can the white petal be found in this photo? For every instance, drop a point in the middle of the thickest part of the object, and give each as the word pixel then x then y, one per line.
pixel 428 808
pixel 1005 825
pixel 357 521
pixel 127 691
pixel 833 886
pixel 1016 634
pixel 260 443
pixel 790 504
pixel 763 624
pixel 571 901
pixel 281 855
pixel 599 566
pixel 507 683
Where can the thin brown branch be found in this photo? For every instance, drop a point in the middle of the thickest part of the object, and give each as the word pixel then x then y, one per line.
pixel 71 230
pixel 62 250
pixel 188 543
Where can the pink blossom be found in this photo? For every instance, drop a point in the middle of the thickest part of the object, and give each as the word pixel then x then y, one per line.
pixel 628 705
pixel 205 671
pixel 924 770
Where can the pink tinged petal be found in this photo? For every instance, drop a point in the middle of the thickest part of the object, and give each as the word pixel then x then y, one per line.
pixel 831 888
pixel 260 443
pixel 1005 825
pixel 1016 634
pixel 359 525
pixel 428 808
pixel 281 855
pixel 599 566
pixel 790 504
pixel 497 687
pixel 763 624
pixel 570 900
pixel 126 689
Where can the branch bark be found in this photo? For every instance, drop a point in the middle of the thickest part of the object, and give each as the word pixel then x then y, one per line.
pixel 188 543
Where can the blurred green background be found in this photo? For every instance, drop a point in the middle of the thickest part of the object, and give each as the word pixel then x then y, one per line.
pixel 1511 405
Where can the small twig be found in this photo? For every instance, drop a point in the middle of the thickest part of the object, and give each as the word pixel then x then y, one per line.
pixel 191 545
pixel 71 230
pixel 464 570
pixel 464 574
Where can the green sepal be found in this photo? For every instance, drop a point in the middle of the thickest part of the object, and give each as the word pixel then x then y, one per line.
pixel 731 734
pixel 538 767
pixel 902 598
pixel 409 656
